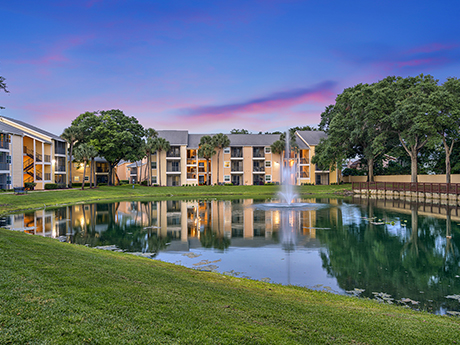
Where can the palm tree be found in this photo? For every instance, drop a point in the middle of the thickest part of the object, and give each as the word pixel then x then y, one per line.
pixel 206 151
pixel 83 154
pixel 71 135
pixel 160 144
pixel 220 141
pixel 150 148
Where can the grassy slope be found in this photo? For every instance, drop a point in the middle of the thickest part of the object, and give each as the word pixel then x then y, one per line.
pixel 37 199
pixel 59 293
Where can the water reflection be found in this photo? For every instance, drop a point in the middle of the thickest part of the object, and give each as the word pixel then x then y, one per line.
pixel 385 247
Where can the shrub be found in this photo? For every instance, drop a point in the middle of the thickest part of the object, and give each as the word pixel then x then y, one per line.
pixel 102 184
pixel 143 183
pixel 51 186
pixel 30 185
pixel 353 172
pixel 124 181
pixel 75 185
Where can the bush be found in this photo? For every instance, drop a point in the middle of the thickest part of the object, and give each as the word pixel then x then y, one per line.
pixel 75 185
pixel 143 183
pixel 101 184
pixel 353 172
pixel 51 186
pixel 30 185
pixel 124 181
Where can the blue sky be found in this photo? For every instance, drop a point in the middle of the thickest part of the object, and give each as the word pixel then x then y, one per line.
pixel 210 66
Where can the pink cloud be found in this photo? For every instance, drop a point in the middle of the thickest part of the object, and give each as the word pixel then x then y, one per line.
pixel 433 47
pixel 321 93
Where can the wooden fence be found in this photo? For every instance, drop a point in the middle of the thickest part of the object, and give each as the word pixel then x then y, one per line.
pixel 436 188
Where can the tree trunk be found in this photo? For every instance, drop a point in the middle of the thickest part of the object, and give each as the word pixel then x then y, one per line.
pixel 70 166
pixel 84 176
pixel 413 166
pixel 91 173
pixel 448 151
pixel 218 164
pixel 110 180
pixel 370 165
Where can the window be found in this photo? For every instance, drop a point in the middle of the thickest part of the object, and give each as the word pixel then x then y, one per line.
pixel 226 149
pixel 154 179
pixel 268 178
pixel 77 178
pixel 86 178
pixel 268 164
pixel 8 159
pixel 268 149
pixel 154 165
pixel 8 179
pixel 226 178
pixel 227 164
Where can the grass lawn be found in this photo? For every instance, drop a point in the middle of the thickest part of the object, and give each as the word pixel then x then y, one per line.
pixel 59 293
pixel 37 199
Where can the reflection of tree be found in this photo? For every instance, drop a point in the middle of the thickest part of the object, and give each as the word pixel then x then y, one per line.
pixel 382 258
pixel 211 239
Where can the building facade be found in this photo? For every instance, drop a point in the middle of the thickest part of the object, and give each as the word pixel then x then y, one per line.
pixel 30 154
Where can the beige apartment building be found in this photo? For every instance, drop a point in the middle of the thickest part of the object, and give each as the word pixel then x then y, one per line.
pixel 247 161
pixel 30 154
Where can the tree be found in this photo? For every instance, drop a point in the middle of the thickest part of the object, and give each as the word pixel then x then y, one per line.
pixel 159 145
pixel 3 87
pixel 239 131
pixel 71 134
pixel 87 123
pixel 83 154
pixel 206 151
pixel 149 149
pixel 352 126
pixel 220 141
pixel 117 136
pixel 412 119
pixel 445 102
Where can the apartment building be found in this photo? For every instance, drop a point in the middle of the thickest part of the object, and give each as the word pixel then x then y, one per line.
pixel 247 161
pixel 30 154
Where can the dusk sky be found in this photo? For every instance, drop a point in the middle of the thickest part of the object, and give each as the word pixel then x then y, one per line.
pixel 210 66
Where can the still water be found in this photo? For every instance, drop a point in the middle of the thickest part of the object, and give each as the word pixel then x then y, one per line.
pixel 393 251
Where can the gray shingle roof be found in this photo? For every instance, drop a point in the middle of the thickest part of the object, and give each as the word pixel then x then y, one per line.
pixel 312 137
pixel 33 128
pixel 5 128
pixel 237 139
pixel 174 137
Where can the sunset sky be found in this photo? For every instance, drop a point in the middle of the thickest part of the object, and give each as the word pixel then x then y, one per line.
pixel 210 66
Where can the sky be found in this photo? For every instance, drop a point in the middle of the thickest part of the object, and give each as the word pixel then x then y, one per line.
pixel 211 66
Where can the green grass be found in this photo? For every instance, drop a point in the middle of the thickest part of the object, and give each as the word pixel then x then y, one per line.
pixel 37 199
pixel 58 293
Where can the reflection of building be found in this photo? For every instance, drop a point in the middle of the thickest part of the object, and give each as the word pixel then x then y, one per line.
pixel 30 154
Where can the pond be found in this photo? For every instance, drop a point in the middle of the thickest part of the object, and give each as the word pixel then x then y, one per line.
pixel 391 250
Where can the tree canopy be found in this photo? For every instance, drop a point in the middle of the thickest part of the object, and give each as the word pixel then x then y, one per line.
pixel 3 87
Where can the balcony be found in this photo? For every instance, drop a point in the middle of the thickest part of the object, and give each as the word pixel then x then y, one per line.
pixel 47 159
pixel 102 170
pixel 191 161
pixel 4 145
pixel 236 153
pixel 258 152
pixel 237 168
pixel 4 166
pixel 191 176
pixel 171 168
pixel 174 152
pixel 258 169
pixel 59 168
pixel 47 176
pixel 59 150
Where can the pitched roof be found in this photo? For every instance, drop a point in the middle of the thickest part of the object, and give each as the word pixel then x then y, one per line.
pixel 33 128
pixel 312 137
pixel 174 137
pixel 252 139
pixel 6 128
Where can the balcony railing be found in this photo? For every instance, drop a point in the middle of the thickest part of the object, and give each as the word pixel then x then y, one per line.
pixel 237 153
pixel 47 176
pixel 4 145
pixel 258 154
pixel 172 169
pixel 237 168
pixel 102 170
pixel 258 169
pixel 47 159
pixel 59 168
pixel 59 150
pixel 191 176
pixel 191 161
pixel 304 161
pixel 4 166
pixel 304 174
